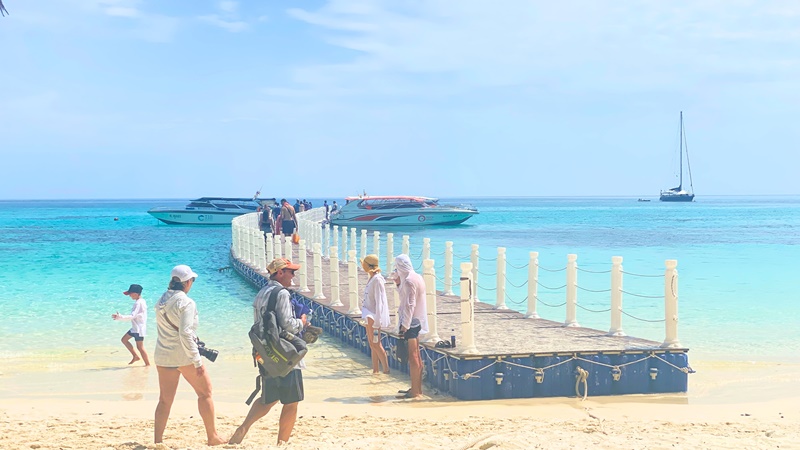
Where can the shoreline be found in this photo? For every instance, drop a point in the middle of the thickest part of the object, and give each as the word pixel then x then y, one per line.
pixel 729 405
pixel 729 408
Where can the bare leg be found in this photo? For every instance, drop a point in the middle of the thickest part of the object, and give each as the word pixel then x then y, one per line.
pixel 205 402
pixel 126 341
pixel 143 352
pixel 286 422
pixel 378 352
pixel 167 385
pixel 414 368
pixel 374 352
pixel 257 411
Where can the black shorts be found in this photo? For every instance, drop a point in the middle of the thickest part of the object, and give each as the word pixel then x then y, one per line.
pixel 288 227
pixel 412 333
pixel 136 336
pixel 288 389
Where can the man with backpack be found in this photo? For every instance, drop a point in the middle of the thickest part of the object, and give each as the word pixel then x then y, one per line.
pixel 287 389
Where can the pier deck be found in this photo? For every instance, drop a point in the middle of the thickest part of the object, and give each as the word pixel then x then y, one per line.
pixel 516 356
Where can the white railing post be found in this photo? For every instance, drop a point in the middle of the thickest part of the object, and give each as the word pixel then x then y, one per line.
pixel 616 297
pixel 318 295
pixel 334 261
pixel 352 284
pixel 352 242
pixel 344 244
pixel 389 252
pixel 572 291
pixel 328 240
pixel 363 244
pixel 475 260
pixel 287 247
pixel 233 237
pixel 448 268
pixel 251 259
pixel 268 247
pixel 336 238
pixel 671 304
pixel 276 242
pixel 247 249
pixel 429 274
pixel 406 246
pixel 302 274
pixel 426 248
pixel 263 250
pixel 533 285
pixel 467 310
pixel 501 279
pixel 376 244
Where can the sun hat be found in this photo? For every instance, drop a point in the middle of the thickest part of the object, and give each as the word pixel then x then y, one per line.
pixel 281 263
pixel 370 261
pixel 183 273
pixel 134 289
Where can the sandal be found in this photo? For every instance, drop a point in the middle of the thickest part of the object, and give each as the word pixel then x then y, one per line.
pixel 443 344
pixel 403 392
pixel 404 396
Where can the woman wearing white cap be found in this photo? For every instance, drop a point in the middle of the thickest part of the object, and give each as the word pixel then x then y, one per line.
pixel 375 309
pixel 177 354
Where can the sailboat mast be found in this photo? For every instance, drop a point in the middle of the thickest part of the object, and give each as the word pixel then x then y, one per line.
pixel 680 184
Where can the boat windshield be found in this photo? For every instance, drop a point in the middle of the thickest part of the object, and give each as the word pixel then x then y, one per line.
pixel 397 203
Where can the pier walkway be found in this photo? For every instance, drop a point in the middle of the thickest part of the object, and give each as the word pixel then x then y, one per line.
pixel 499 353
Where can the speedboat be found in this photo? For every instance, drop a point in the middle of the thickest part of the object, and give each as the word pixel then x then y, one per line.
pixel 399 211
pixel 209 210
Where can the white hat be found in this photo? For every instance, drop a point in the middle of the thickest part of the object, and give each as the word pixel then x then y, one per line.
pixel 183 272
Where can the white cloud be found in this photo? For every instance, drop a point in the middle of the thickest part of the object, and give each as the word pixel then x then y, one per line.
pixel 234 26
pixel 228 6
pixel 119 11
pixel 575 46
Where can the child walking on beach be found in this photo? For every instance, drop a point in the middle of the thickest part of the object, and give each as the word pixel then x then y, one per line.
pixel 138 319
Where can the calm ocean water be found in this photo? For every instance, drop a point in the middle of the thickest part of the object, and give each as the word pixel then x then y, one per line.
pixel 64 265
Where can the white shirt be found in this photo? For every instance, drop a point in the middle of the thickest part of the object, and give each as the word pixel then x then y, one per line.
pixel 375 303
pixel 137 317
pixel 413 305
pixel 176 348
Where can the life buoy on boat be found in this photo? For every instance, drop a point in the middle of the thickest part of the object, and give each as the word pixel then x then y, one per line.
pixel 421 218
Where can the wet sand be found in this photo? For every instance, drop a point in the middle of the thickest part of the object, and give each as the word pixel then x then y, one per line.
pixel 730 405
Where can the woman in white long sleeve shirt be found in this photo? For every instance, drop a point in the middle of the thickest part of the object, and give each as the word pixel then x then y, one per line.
pixel 176 354
pixel 375 309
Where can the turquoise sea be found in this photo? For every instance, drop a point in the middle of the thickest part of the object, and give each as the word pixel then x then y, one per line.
pixel 64 265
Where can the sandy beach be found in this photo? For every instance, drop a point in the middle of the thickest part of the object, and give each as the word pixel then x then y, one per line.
pixel 730 405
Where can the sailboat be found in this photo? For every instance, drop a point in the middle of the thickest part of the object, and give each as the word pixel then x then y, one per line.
pixel 678 194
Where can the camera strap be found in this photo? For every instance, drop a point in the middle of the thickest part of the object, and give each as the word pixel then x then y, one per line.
pixel 169 321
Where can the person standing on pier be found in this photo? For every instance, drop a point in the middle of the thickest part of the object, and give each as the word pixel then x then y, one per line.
pixel 413 318
pixel 288 218
pixel 138 320
pixel 287 389
pixel 375 309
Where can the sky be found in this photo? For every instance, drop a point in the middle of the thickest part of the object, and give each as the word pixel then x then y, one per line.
pixel 445 98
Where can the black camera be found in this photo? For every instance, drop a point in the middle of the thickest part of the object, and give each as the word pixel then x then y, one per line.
pixel 208 353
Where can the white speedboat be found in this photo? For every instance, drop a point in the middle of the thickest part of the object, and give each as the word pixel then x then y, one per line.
pixel 209 210
pixel 399 211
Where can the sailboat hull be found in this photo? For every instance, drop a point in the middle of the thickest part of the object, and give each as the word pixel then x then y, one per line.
pixel 677 197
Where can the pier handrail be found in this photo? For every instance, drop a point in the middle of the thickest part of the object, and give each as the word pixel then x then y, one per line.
pixel 252 246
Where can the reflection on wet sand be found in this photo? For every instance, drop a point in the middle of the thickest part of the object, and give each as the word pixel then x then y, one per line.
pixel 134 383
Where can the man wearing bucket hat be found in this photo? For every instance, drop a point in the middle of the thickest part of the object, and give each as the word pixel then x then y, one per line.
pixel 287 389
pixel 138 320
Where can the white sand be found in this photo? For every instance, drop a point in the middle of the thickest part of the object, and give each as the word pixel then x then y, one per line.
pixel 730 405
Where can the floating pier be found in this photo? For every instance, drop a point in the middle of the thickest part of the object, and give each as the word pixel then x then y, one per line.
pixel 499 353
